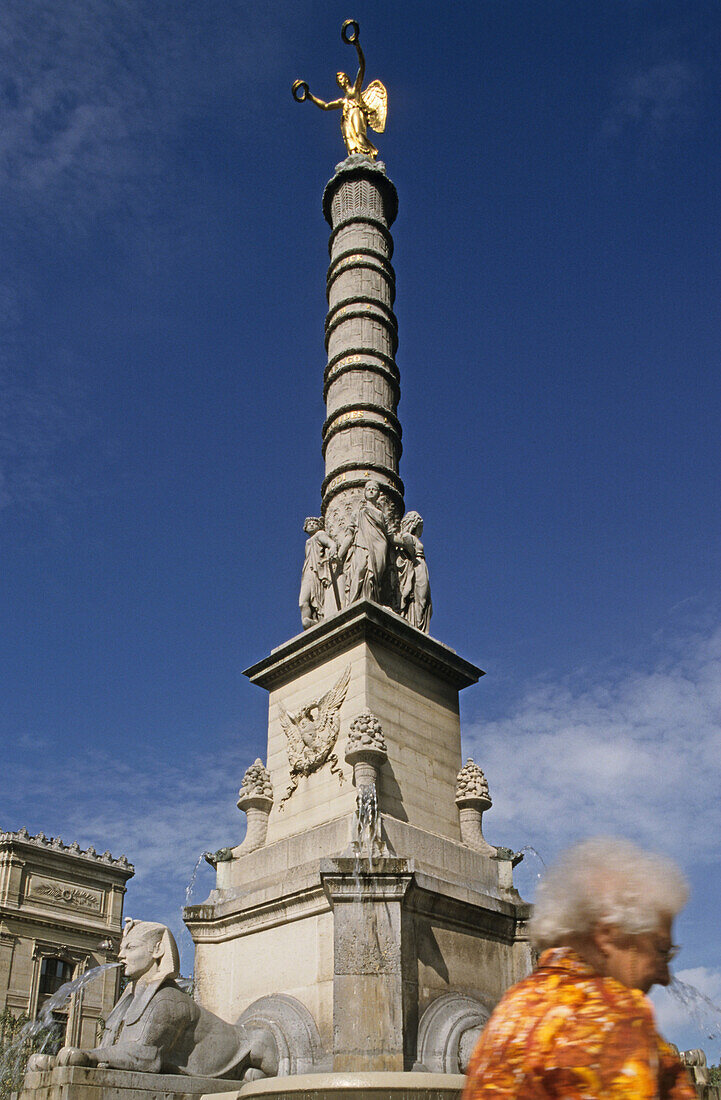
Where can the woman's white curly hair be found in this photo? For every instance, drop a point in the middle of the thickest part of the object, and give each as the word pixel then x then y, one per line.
pixel 605 880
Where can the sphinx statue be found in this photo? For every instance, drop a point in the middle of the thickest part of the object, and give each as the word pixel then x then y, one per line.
pixel 156 1027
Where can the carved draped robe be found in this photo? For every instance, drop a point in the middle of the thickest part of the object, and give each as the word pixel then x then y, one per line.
pixel 368 555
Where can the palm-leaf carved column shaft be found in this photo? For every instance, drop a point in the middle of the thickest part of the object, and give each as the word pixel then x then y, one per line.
pixel 361 434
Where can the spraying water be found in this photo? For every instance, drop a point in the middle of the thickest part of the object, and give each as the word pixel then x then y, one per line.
pixel 704 1012
pixel 529 868
pixel 367 822
pixel 45 1030
pixel 532 851
pixel 191 885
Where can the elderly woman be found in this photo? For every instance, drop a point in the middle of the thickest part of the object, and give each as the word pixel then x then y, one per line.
pixel 580 1025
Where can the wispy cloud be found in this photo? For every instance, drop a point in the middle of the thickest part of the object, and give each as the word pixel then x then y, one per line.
pixel 634 751
pixel 651 107
pixel 161 813
pixel 94 95
pixel 42 415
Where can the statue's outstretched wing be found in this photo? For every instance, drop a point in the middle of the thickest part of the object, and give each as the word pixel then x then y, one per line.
pixel 329 706
pixel 292 733
pixel 375 100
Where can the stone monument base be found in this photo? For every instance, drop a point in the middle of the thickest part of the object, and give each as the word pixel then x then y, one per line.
pixel 91 1083
pixel 352 1086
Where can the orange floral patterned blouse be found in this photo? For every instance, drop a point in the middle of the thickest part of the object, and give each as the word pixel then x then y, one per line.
pixel 567 1032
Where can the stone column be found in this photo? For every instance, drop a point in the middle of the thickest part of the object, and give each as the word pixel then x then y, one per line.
pixel 255 798
pixel 361 434
pixel 472 800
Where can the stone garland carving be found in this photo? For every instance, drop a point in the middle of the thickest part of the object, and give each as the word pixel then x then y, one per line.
pixel 54 842
pixel 311 734
pixel 68 895
pixel 358 564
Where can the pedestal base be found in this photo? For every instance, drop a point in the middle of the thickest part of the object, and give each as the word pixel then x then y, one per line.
pixel 85 1083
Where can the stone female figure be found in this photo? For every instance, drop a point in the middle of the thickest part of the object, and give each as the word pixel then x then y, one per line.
pixel 414 585
pixel 318 593
pixel 364 548
pixel 360 109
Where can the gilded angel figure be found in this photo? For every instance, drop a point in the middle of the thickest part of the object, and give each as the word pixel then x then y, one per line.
pixel 360 109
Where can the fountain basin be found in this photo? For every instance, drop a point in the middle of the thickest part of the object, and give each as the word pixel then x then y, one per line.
pixel 352 1086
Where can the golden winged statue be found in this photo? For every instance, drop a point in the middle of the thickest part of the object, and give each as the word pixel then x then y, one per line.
pixel 311 734
pixel 360 109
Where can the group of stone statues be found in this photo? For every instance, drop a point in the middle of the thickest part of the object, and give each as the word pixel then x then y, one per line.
pixel 369 562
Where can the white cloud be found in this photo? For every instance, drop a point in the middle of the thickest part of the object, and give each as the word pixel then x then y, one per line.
pixel 634 752
pixel 651 105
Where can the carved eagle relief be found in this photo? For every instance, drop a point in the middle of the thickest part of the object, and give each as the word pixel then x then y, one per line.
pixel 311 734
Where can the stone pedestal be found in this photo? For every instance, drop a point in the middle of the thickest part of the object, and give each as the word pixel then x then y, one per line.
pixel 257 808
pixel 367 943
pixel 372 1009
pixel 81 1083
pixel 408 680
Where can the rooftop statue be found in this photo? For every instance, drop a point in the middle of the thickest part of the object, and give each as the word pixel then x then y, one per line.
pixel 361 109
pixel 156 1027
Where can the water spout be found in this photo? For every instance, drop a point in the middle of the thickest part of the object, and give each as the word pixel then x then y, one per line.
pixel 191 885
pixel 37 1035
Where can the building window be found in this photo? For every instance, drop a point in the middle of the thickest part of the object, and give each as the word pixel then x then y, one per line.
pixel 53 974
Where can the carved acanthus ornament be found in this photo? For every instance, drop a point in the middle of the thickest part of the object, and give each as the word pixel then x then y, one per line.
pixel 311 734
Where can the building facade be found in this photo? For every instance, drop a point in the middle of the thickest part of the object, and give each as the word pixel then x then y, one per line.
pixel 61 911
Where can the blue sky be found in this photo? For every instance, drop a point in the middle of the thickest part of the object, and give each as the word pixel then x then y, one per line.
pixel 558 256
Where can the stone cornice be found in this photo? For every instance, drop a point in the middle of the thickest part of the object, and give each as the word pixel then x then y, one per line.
pixel 22 841
pixel 241 920
pixel 363 621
